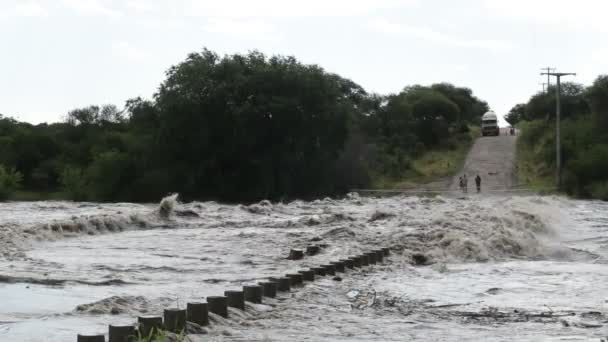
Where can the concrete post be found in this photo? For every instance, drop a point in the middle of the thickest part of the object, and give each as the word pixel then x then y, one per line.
pixel 364 259
pixel 235 299
pixel 372 257
pixel 91 338
pixel 319 270
pixel 218 305
pixel 348 263
pixel 386 250
pixel 149 326
pixel 312 250
pixel 296 254
pixel 296 278
pixel 253 293
pixel 329 269
pixel 269 288
pixel 198 313
pixel 175 320
pixel 356 261
pixel 339 266
pixel 121 333
pixel 308 275
pixel 284 284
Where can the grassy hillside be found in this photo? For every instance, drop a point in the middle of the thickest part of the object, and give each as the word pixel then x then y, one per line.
pixel 432 165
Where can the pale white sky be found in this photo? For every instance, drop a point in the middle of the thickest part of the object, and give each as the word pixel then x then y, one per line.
pixel 56 55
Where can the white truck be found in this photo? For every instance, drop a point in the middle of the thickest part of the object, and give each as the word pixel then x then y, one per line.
pixel 489 124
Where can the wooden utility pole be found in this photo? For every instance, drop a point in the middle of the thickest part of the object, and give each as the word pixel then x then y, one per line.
pixel 547 71
pixel 558 154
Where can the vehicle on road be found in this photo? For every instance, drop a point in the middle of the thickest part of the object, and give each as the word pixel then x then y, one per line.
pixel 489 124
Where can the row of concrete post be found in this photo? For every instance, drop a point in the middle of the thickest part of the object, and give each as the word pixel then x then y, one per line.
pixel 174 320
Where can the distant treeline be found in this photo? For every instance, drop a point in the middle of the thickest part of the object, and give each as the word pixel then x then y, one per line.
pixel 234 128
pixel 584 131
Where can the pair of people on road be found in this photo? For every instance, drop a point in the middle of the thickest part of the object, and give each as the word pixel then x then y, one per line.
pixel 464 186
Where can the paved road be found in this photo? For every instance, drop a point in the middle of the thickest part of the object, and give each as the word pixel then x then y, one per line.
pixel 493 158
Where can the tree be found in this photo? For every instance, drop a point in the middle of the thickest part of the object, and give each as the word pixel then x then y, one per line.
pixel 516 114
pixel 433 112
pixel 597 96
pixel 248 126
pixel 542 104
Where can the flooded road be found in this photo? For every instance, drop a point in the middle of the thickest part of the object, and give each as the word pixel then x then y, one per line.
pixel 497 268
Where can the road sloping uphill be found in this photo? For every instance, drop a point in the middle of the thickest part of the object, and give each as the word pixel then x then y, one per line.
pixel 493 159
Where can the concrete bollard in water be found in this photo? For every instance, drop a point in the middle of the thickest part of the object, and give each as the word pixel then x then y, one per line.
pixel 235 299
pixel 283 284
pixel 198 313
pixel 253 293
pixel 218 305
pixel 91 338
pixel 329 269
pixel 356 261
pixel 364 259
pixel 175 320
pixel 149 326
pixel 372 257
pixel 386 250
pixel 296 254
pixel 121 333
pixel 269 288
pixel 312 250
pixel 348 263
pixel 308 275
pixel 296 278
pixel 319 270
pixel 339 266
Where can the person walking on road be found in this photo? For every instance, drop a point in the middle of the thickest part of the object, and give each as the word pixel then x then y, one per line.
pixel 478 183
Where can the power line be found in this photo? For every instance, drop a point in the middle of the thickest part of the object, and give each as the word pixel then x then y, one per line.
pixel 558 155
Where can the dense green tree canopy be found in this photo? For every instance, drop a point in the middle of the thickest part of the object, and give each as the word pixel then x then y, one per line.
pixel 237 128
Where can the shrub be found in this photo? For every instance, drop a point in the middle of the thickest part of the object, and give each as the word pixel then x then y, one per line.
pixel 10 180
pixel 74 183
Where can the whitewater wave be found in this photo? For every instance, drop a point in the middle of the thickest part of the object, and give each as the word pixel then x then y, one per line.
pixel 476 232
pixel 133 305
pixel 440 229
pixel 16 238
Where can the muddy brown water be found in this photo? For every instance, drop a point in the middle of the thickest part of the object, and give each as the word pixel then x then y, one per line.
pixel 498 268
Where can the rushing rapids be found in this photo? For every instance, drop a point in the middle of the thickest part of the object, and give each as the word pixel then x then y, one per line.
pixel 470 268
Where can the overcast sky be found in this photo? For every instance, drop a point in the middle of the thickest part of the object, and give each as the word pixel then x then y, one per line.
pixel 56 55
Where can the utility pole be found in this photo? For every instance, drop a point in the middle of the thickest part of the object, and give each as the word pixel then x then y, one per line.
pixel 547 71
pixel 543 84
pixel 558 155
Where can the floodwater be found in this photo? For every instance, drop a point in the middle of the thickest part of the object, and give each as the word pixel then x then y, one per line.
pixel 498 268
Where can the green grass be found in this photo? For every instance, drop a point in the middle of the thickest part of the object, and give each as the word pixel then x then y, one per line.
pixel 432 165
pixel 532 171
